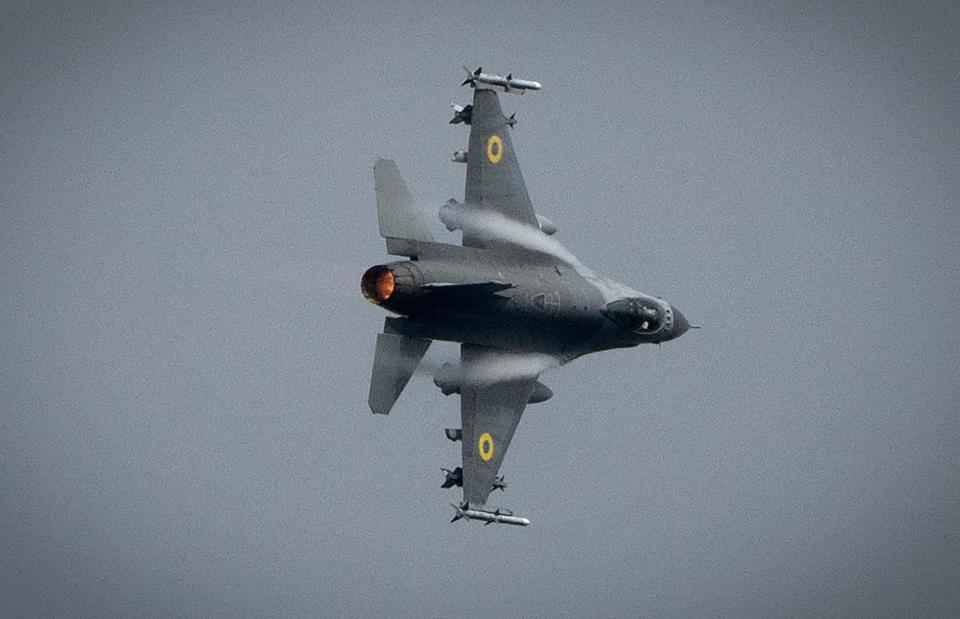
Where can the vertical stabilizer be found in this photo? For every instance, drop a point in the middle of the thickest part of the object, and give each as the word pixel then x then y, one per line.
pixel 395 211
pixel 395 360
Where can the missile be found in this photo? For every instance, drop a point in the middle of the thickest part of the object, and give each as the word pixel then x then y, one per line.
pixel 454 434
pixel 491 81
pixel 452 478
pixel 461 114
pixel 502 516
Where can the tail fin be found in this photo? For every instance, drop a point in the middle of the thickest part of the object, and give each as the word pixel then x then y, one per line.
pixel 395 211
pixel 395 360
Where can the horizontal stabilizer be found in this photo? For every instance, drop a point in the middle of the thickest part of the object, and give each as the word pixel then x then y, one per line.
pixel 394 361
pixel 396 214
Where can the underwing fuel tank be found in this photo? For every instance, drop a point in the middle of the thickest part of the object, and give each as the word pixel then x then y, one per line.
pixel 546 226
pixel 501 516
pixel 449 378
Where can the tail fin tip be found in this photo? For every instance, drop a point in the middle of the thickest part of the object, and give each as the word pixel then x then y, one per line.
pixel 396 214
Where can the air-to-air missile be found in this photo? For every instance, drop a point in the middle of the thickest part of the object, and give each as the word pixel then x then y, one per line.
pixel 454 477
pixel 461 114
pixel 501 516
pixel 489 81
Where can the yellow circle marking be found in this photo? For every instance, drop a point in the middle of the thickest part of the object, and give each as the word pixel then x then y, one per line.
pixel 485 446
pixel 494 148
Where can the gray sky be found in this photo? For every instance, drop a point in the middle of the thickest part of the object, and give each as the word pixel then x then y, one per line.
pixel 187 207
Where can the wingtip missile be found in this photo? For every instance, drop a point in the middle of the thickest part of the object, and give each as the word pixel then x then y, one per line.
pixel 490 81
pixel 500 516
pixel 471 76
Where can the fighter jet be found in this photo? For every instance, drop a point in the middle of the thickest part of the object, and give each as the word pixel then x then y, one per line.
pixel 514 298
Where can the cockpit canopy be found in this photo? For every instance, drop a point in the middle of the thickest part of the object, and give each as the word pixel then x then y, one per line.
pixel 638 315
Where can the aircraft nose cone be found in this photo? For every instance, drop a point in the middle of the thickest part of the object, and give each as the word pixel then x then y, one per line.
pixel 680 324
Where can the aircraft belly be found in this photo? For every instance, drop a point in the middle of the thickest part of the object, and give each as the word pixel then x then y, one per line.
pixel 545 308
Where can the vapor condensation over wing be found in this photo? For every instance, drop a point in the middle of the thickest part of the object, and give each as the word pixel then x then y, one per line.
pixel 476 222
pixel 504 367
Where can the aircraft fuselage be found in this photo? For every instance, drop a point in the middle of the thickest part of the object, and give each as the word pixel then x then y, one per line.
pixel 511 299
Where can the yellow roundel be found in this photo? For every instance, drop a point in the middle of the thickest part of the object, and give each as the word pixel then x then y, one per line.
pixel 485 446
pixel 494 148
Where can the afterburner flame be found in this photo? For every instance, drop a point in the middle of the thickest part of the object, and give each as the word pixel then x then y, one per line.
pixel 377 284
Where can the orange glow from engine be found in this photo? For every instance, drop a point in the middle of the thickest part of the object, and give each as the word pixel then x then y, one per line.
pixel 378 284
pixel 385 285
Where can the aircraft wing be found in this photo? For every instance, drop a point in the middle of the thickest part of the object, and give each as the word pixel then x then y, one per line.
pixel 494 182
pixel 489 413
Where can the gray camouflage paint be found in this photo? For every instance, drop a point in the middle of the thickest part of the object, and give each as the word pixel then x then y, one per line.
pixel 494 295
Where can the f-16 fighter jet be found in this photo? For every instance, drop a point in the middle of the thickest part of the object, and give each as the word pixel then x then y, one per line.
pixel 515 299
